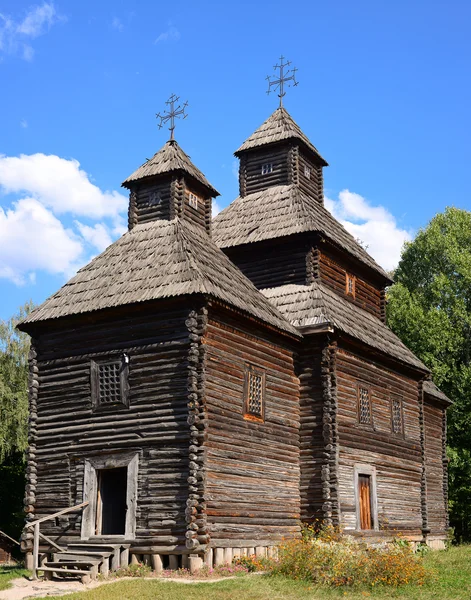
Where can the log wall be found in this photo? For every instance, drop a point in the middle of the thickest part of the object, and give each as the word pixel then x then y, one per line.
pixel 252 467
pixel 251 178
pixel 270 264
pixel 396 457
pixel 313 186
pixel 435 468
pixel 333 274
pixel 67 432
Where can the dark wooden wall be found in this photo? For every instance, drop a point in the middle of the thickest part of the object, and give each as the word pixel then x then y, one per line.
pixel 252 468
pixel 144 211
pixel 251 179
pixel 435 468
pixel 313 186
pixel 332 273
pixel 155 425
pixel 272 263
pixel 397 458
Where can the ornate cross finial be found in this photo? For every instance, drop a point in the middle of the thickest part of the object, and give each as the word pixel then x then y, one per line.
pixel 170 115
pixel 279 83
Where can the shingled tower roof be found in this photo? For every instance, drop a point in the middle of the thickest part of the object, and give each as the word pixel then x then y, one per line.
pixel 280 126
pixel 170 158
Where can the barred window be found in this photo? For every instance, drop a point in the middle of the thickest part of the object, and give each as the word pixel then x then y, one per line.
pixel 109 382
pixel 193 200
pixel 254 392
pixel 350 284
pixel 267 168
pixel 397 419
pixel 307 172
pixel 364 406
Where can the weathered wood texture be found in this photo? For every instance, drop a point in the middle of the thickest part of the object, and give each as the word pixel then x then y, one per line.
pixel 166 197
pixel 318 432
pixel 251 178
pixel 332 273
pixel 270 264
pixel 435 468
pixel 252 468
pixel 155 425
pixel 397 457
pixel 310 178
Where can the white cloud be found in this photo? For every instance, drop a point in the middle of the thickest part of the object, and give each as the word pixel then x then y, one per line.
pixel 98 235
pixel 216 208
pixel 15 34
pixel 33 238
pixel 170 35
pixel 59 184
pixel 117 24
pixel 375 226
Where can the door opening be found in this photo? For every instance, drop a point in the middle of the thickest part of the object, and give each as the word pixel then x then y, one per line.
pixel 111 504
pixel 364 497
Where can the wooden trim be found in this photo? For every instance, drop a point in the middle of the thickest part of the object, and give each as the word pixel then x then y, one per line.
pixel 350 278
pixel 370 470
pixel 123 361
pixel 249 371
pixel 365 386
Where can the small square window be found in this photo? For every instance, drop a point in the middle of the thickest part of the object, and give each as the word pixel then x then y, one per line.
pixel 266 169
pixel 397 414
pixel 154 199
pixel 350 285
pixel 109 383
pixel 364 406
pixel 193 200
pixel 307 172
pixel 254 393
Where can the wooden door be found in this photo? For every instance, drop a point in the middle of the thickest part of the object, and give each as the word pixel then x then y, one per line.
pixel 364 496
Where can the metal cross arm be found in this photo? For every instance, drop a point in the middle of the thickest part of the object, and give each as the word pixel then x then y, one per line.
pixel 170 115
pixel 284 77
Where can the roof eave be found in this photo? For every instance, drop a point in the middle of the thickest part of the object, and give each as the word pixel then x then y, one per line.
pixel 129 183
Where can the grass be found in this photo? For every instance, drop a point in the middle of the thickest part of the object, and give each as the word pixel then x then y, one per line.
pixel 453 582
pixel 8 573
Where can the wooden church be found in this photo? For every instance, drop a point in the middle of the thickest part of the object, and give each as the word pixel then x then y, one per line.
pixel 201 388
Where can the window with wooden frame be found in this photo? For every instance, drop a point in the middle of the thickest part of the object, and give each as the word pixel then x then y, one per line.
pixel 193 200
pixel 155 199
pixel 254 393
pixel 307 172
pixel 350 284
pixel 109 383
pixel 397 419
pixel 364 405
pixel 267 168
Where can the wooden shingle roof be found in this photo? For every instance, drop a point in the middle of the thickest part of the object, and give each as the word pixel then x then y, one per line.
pixel 281 211
pixel 168 159
pixel 316 305
pixel 435 392
pixel 280 126
pixel 159 259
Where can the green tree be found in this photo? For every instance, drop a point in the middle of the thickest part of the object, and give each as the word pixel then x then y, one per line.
pixel 14 348
pixel 429 308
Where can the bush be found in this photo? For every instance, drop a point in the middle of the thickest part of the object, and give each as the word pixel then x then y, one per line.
pixel 133 570
pixel 330 558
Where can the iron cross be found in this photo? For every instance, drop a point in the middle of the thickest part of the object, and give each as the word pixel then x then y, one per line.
pixel 170 115
pixel 279 83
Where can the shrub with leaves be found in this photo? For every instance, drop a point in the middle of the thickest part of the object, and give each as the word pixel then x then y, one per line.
pixel 329 558
pixel 134 570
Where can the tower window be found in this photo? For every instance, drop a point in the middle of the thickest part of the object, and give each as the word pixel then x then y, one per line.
pixel 193 200
pixel 364 406
pixel 307 172
pixel 350 284
pixel 267 168
pixel 154 199
pixel 397 415
pixel 254 393
pixel 109 382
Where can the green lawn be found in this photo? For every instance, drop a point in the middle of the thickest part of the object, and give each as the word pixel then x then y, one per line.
pixel 453 583
pixel 7 573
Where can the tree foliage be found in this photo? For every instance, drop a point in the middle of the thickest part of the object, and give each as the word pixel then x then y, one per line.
pixel 429 308
pixel 14 348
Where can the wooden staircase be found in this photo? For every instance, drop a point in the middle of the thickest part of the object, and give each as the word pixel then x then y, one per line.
pixel 83 560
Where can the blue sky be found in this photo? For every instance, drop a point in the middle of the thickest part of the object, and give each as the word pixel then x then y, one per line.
pixel 384 93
